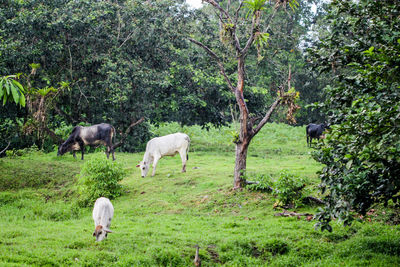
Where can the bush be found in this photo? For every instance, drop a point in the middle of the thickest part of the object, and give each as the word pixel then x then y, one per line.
pixel 99 177
pixel 289 188
pixel 264 183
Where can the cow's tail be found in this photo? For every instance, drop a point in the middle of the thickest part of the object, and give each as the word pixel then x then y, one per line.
pixel 187 138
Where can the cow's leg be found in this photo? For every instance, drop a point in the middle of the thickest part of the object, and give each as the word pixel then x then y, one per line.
pixel 182 153
pixel 108 151
pixel 109 148
pixel 155 161
pixel 112 151
pixel 82 147
pixel 73 153
pixel 308 140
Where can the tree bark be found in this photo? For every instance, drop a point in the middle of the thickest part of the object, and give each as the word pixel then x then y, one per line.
pixel 240 163
pixel 245 135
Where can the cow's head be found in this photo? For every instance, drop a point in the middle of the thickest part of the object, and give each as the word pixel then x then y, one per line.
pixel 62 149
pixel 100 233
pixel 144 168
pixel 66 147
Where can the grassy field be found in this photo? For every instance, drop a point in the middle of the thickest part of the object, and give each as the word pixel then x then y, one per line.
pixel 159 220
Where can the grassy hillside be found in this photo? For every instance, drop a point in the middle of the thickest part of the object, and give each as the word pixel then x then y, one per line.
pixel 159 220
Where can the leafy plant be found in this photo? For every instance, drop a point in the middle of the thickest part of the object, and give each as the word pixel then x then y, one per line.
pixel 289 188
pixel 263 183
pixel 11 89
pixel 99 177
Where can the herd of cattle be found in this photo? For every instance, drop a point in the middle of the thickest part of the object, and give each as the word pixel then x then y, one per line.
pixel 156 148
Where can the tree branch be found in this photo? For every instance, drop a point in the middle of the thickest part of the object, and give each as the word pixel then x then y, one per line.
pixel 1 152
pixel 217 6
pixel 267 116
pixel 251 38
pixel 216 58
pixel 127 131
pixel 224 12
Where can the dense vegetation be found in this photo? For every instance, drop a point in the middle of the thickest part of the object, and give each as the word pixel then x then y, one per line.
pixel 139 65
pixel 117 61
pixel 361 155
pixel 158 220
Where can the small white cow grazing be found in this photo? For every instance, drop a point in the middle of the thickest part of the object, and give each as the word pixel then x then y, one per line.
pixel 103 212
pixel 159 147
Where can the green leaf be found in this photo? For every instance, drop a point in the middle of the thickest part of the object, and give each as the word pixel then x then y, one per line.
pixel 2 90
pixel 21 88
pixel 15 93
pixel 349 164
pixel 22 100
pixel 7 87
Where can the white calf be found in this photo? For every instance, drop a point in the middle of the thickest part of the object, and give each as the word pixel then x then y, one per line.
pixel 159 147
pixel 103 212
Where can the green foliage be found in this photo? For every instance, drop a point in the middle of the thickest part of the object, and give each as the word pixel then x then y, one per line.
pixel 264 183
pixel 361 154
pixel 99 177
pixel 289 188
pixel 12 90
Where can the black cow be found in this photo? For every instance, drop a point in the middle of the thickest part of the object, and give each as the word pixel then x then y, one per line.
pixel 315 131
pixel 92 135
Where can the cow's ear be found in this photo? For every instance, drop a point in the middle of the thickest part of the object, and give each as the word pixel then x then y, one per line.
pixel 138 165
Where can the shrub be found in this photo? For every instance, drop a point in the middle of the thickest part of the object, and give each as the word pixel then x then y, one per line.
pixel 99 177
pixel 289 188
pixel 263 183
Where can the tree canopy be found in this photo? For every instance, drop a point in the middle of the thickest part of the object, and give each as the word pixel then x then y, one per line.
pixel 361 49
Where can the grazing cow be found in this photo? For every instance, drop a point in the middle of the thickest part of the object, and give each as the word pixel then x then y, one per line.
pixel 103 212
pixel 315 131
pixel 168 145
pixel 92 135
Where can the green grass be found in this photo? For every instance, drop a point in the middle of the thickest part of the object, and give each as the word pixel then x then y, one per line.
pixel 160 219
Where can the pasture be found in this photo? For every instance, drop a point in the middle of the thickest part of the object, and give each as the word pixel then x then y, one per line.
pixel 159 220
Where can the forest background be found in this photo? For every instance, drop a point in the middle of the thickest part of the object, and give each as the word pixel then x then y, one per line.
pixel 87 62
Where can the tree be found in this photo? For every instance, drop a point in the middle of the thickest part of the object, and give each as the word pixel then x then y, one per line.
pixel 247 14
pixel 116 56
pixel 361 50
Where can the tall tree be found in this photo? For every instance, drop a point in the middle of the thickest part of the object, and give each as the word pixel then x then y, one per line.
pixel 361 50
pixel 240 28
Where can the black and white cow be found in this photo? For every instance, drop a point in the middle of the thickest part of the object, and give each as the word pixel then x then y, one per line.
pixel 92 135
pixel 315 131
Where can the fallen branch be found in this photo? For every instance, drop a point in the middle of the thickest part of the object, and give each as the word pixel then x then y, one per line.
pixel 9 142
pixel 127 131
pixel 286 213
pixel 314 199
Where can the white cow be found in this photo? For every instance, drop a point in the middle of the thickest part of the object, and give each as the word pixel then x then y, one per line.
pixel 159 147
pixel 103 212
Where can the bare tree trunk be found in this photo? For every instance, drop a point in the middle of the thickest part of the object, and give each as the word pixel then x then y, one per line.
pixel 245 134
pixel 240 163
